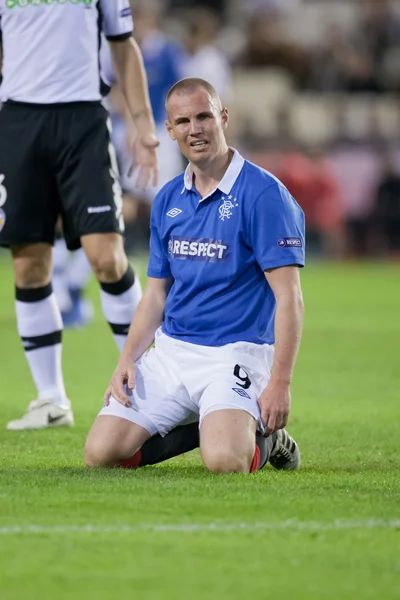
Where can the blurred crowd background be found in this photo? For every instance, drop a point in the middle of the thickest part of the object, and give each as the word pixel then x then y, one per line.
pixel 313 90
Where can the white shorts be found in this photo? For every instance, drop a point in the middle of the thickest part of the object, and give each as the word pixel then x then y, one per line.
pixel 170 162
pixel 178 382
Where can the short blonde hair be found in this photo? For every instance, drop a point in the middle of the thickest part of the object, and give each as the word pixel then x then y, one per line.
pixel 190 84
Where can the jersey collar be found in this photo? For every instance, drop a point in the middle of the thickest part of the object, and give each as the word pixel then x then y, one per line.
pixel 228 180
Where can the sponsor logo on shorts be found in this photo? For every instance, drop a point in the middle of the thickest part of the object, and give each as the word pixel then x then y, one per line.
pixel 99 209
pixel 290 242
pixel 174 212
pixel 2 218
pixel 204 249
pixel 241 392
pixel 125 12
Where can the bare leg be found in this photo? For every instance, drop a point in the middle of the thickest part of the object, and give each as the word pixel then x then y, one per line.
pixel 105 252
pixel 112 440
pixel 120 288
pixel 227 441
pixel 32 265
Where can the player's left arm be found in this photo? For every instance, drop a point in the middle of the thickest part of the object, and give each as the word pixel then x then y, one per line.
pixel 275 400
pixel 276 233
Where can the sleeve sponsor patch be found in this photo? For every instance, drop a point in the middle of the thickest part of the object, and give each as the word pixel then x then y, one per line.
pixel 290 242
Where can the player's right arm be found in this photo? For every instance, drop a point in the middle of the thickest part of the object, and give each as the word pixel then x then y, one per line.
pixel 132 80
pixel 131 77
pixel 148 318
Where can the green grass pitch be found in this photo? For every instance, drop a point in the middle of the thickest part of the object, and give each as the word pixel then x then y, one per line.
pixel 171 532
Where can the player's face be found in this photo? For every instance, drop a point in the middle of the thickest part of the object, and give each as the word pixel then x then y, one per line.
pixel 198 124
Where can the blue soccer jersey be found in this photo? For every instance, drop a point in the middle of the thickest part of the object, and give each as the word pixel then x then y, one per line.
pixel 217 249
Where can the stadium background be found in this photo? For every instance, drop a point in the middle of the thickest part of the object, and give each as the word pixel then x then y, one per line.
pixel 313 88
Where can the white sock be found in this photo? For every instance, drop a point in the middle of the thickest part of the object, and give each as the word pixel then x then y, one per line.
pixel 119 301
pixel 79 270
pixel 60 277
pixel 40 327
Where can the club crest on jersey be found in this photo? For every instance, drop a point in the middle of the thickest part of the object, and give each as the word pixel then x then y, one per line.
pixel 203 249
pixel 225 210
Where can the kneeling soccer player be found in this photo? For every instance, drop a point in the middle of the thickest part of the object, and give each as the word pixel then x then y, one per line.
pixel 223 303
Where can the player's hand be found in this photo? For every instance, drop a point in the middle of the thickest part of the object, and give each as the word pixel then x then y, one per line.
pixel 274 405
pixel 145 160
pixel 123 379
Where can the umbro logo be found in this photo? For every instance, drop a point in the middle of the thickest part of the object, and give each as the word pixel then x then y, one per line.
pixel 241 392
pixel 174 212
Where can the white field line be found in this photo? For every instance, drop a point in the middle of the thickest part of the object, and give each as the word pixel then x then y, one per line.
pixel 290 525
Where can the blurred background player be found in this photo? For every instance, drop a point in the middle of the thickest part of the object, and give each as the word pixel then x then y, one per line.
pixel 206 60
pixel 56 159
pixel 71 274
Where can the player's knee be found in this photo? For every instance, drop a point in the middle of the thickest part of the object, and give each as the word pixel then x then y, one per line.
pixel 98 456
pixel 109 266
pixel 225 461
pixel 32 267
pixel 106 255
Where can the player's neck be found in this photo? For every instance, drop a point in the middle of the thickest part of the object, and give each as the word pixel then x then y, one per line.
pixel 207 177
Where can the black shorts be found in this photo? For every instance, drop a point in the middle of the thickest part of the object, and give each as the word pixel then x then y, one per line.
pixel 57 160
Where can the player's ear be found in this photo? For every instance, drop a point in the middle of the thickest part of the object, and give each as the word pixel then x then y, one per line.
pixel 224 117
pixel 170 130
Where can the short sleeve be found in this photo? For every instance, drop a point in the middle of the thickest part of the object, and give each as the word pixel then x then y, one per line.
pixel 117 21
pixel 159 266
pixel 276 229
pixel 106 66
